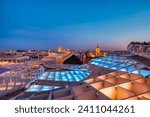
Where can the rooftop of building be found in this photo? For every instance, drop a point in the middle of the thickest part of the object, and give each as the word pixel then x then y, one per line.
pixel 89 81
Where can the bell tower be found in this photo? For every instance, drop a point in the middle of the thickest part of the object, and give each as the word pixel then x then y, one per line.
pixel 97 51
pixel 59 49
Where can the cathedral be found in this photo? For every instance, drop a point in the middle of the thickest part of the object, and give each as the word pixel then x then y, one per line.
pixel 66 51
pixel 97 53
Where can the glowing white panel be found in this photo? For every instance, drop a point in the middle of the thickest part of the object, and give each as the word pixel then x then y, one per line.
pixel 34 88
pixel 51 75
pixel 56 87
pixel 57 76
pixel 142 72
pixel 44 75
pixel 45 88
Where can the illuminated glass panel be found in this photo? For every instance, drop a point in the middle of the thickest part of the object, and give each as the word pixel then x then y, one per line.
pixel 34 88
pixel 142 72
pixel 44 75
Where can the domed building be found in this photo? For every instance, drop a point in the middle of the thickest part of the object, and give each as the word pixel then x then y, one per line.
pixel 97 53
pixel 61 50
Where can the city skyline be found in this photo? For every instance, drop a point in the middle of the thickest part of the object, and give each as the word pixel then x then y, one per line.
pixel 77 25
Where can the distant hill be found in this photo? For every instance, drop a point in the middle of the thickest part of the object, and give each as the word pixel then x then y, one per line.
pixel 73 60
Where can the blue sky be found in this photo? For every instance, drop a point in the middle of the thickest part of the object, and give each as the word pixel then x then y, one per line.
pixel 75 24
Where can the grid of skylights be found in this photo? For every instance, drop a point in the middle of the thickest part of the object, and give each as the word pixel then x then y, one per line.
pixel 70 76
pixel 120 64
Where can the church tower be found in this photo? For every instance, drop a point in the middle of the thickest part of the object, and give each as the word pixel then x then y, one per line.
pixel 97 51
pixel 59 49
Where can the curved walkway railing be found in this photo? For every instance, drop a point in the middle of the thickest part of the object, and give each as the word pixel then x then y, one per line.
pixel 14 82
pixel 139 49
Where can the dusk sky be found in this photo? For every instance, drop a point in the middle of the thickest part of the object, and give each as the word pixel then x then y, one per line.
pixel 74 24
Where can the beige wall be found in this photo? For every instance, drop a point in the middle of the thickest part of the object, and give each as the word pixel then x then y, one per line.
pixel 97 85
pixel 81 89
pixel 127 85
pixel 109 92
pixel 123 93
pixel 140 88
